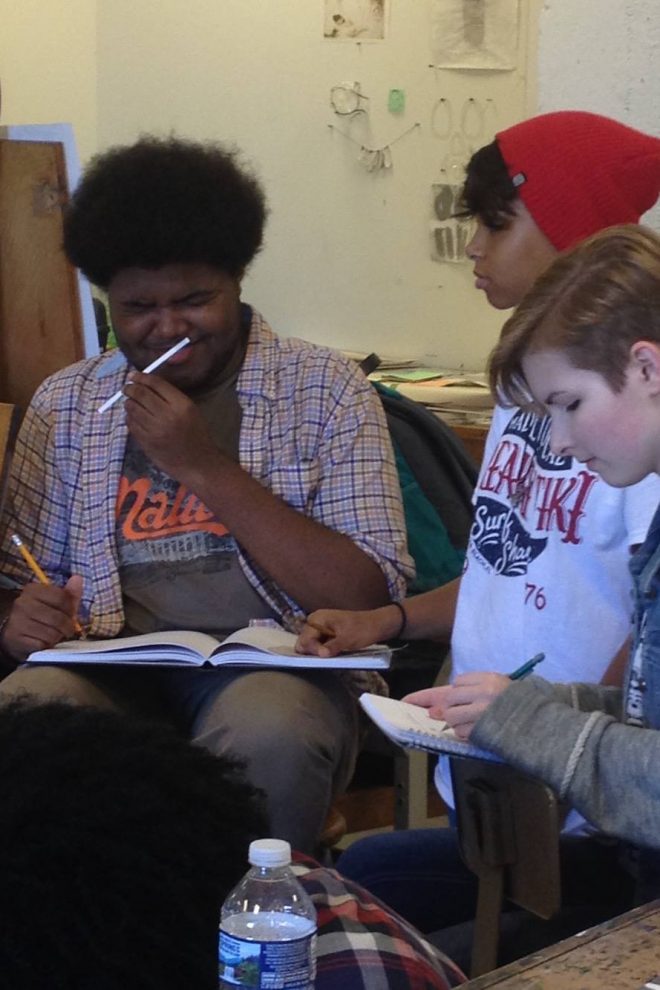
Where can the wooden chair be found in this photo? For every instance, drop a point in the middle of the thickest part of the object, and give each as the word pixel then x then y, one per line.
pixel 508 831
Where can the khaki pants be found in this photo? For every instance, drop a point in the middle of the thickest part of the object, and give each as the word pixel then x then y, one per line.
pixel 296 732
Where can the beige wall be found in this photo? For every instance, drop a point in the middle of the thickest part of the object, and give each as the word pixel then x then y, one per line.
pixel 347 256
pixel 48 65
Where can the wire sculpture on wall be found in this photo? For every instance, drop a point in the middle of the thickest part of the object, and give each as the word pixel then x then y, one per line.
pixel 473 125
pixel 345 100
pixel 442 119
pixel 375 159
pixel 472 121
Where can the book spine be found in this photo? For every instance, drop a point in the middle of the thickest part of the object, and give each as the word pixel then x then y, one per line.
pixel 430 743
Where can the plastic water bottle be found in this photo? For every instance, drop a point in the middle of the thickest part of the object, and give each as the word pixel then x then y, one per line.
pixel 268 925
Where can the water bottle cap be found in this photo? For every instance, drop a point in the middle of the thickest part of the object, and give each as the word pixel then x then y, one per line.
pixel 269 852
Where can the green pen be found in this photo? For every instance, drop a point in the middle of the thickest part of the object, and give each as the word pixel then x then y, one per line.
pixel 526 668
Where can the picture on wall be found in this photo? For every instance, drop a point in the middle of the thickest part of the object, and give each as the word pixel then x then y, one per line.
pixel 354 20
pixel 449 233
pixel 474 34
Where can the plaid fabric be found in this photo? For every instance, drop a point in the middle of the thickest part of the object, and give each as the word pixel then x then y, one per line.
pixel 313 432
pixel 362 945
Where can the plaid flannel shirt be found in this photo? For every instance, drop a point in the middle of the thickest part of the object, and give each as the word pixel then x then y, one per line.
pixel 312 431
pixel 363 945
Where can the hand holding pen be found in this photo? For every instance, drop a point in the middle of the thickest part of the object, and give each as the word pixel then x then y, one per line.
pixel 463 702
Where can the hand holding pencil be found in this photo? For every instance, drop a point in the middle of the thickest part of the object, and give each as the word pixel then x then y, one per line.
pixel 43 614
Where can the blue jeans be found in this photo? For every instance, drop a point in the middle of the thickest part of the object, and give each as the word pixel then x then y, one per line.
pixel 420 873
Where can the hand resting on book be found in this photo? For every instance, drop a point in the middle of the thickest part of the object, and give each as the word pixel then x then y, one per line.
pixel 329 632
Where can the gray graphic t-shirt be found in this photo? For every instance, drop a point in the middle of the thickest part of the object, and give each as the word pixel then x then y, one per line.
pixel 179 565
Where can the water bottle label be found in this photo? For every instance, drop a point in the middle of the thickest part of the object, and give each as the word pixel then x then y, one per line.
pixel 266 962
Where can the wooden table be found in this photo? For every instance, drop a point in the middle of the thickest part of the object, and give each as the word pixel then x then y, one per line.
pixel 474 438
pixel 622 954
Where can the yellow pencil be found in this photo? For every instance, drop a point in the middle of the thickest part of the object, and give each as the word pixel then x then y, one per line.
pixel 40 574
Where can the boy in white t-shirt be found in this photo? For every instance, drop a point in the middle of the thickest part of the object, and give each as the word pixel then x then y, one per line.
pixel 546 566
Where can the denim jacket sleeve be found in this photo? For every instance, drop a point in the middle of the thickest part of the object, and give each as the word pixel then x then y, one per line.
pixel 609 771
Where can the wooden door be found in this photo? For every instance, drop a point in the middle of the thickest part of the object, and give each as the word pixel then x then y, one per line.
pixel 40 319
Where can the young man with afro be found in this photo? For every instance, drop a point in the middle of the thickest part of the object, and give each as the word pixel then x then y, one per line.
pixel 250 478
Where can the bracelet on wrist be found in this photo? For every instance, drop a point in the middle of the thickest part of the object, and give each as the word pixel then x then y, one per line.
pixel 404 619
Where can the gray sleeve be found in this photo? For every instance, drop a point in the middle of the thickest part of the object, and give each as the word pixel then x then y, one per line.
pixel 610 772
pixel 591 698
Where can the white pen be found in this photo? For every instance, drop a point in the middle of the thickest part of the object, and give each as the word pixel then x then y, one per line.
pixel 150 367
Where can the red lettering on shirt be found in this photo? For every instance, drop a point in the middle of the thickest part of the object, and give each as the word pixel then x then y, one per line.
pixel 150 516
pixel 558 502
pixel 510 465
pixel 562 504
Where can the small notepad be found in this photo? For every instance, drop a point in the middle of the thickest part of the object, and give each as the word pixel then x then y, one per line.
pixel 411 727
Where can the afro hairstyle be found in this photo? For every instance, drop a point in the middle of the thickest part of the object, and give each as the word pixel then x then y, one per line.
pixel 164 201
pixel 119 841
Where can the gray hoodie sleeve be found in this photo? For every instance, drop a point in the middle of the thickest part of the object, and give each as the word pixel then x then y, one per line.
pixel 610 772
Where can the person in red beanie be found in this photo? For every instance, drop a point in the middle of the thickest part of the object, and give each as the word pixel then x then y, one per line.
pixel 577 173
pixel 546 566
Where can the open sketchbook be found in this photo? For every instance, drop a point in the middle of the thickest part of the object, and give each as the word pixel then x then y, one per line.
pixel 410 726
pixel 258 646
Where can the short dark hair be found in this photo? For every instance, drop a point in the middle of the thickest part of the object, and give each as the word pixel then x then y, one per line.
pixel 164 201
pixel 488 192
pixel 118 842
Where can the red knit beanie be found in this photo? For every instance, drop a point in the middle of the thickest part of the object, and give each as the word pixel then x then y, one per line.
pixel 578 172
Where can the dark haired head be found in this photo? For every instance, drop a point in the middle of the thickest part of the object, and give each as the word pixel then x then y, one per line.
pixel 164 201
pixel 118 843
pixel 488 192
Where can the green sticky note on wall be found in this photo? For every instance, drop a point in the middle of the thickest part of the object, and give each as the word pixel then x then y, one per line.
pixel 396 101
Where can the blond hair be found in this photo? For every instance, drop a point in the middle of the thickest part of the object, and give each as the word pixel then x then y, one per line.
pixel 593 303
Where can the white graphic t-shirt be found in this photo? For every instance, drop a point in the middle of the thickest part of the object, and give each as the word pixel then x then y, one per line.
pixel 547 563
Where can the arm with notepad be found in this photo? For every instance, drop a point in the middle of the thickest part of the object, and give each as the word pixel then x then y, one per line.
pixel 460 704
pixel 463 702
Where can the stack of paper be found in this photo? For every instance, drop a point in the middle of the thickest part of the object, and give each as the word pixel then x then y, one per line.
pixel 441 377
pixel 462 395
pixel 439 389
